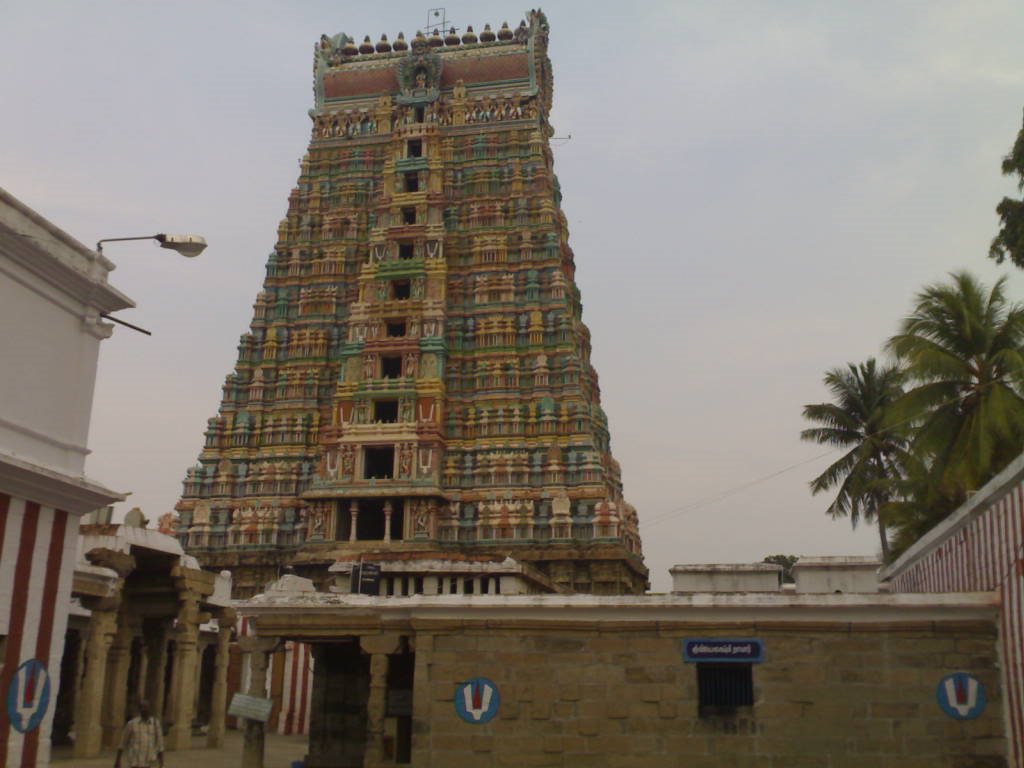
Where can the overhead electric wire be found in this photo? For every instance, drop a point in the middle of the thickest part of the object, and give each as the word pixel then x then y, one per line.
pixel 732 490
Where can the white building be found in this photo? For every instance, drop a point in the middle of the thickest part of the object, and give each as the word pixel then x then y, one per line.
pixel 53 290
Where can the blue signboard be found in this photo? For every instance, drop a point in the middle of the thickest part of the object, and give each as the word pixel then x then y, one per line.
pixel 961 696
pixel 28 696
pixel 477 700
pixel 719 649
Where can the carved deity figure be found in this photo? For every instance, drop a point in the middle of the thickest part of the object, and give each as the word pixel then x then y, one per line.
pixel 167 523
pixel 405 461
pixel 421 519
pixel 316 527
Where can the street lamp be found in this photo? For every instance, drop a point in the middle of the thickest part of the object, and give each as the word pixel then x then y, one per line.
pixel 187 245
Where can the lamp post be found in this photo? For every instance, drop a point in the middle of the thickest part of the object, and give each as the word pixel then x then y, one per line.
pixel 189 246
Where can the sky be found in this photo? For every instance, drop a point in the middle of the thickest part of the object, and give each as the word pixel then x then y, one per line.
pixel 755 193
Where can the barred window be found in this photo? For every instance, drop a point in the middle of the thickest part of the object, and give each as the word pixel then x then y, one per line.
pixel 723 688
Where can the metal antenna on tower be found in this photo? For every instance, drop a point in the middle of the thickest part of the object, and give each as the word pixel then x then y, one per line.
pixel 437 18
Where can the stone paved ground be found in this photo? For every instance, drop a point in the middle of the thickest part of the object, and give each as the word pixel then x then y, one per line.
pixel 281 751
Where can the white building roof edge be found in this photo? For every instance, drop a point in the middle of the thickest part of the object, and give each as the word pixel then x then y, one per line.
pixel 717 608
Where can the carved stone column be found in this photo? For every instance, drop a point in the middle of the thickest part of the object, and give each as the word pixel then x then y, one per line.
pixel 115 699
pixel 318 732
pixel 201 646
pixel 378 646
pixel 157 638
pixel 93 721
pixel 89 705
pixel 421 697
pixel 218 703
pixel 186 642
pixel 353 509
pixel 259 650
pixel 139 693
pixel 387 520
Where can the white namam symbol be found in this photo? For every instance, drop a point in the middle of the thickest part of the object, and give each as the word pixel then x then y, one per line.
pixel 477 698
pixel 31 683
pixel 962 694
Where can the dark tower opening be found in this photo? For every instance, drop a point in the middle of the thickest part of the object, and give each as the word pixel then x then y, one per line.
pixel 379 462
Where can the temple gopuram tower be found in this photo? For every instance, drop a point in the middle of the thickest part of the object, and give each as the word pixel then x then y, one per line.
pixel 416 389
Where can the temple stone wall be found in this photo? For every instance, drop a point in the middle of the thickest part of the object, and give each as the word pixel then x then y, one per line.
pixel 830 695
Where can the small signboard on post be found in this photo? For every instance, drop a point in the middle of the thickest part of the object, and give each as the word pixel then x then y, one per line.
pixel 718 649
pixel 251 707
pixel 365 579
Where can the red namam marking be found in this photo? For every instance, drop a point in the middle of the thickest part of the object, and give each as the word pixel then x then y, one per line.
pixel 961 691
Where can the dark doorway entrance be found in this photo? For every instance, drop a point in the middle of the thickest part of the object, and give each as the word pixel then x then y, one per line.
pixel 64 712
pixel 206 677
pixel 401 667
pixel 341 692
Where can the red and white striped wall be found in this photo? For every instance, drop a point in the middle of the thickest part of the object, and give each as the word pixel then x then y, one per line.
pixel 37 561
pixel 981 548
pixel 289 682
pixel 297 660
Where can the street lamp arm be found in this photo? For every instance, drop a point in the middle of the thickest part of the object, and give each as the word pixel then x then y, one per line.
pixel 186 245
pixel 99 243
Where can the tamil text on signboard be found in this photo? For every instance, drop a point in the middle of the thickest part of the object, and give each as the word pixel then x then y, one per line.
pixel 721 649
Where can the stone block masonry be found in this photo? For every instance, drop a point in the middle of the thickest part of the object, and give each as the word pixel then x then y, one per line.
pixel 582 680
pixel 828 696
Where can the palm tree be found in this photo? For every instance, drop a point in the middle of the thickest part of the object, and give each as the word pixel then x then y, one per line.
pixel 915 503
pixel 856 421
pixel 962 348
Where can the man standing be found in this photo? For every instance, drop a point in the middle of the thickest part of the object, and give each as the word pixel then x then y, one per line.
pixel 143 740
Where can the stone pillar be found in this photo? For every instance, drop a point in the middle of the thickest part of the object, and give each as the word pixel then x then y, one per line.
pixel 156 668
pixel 201 646
pixel 353 509
pixel 317 705
pixel 387 521
pixel 89 706
pixel 139 693
pixel 115 700
pixel 218 703
pixel 186 643
pixel 421 697
pixel 378 646
pixel 254 734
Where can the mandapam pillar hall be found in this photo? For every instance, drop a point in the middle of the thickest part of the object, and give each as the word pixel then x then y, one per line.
pixel 147 624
